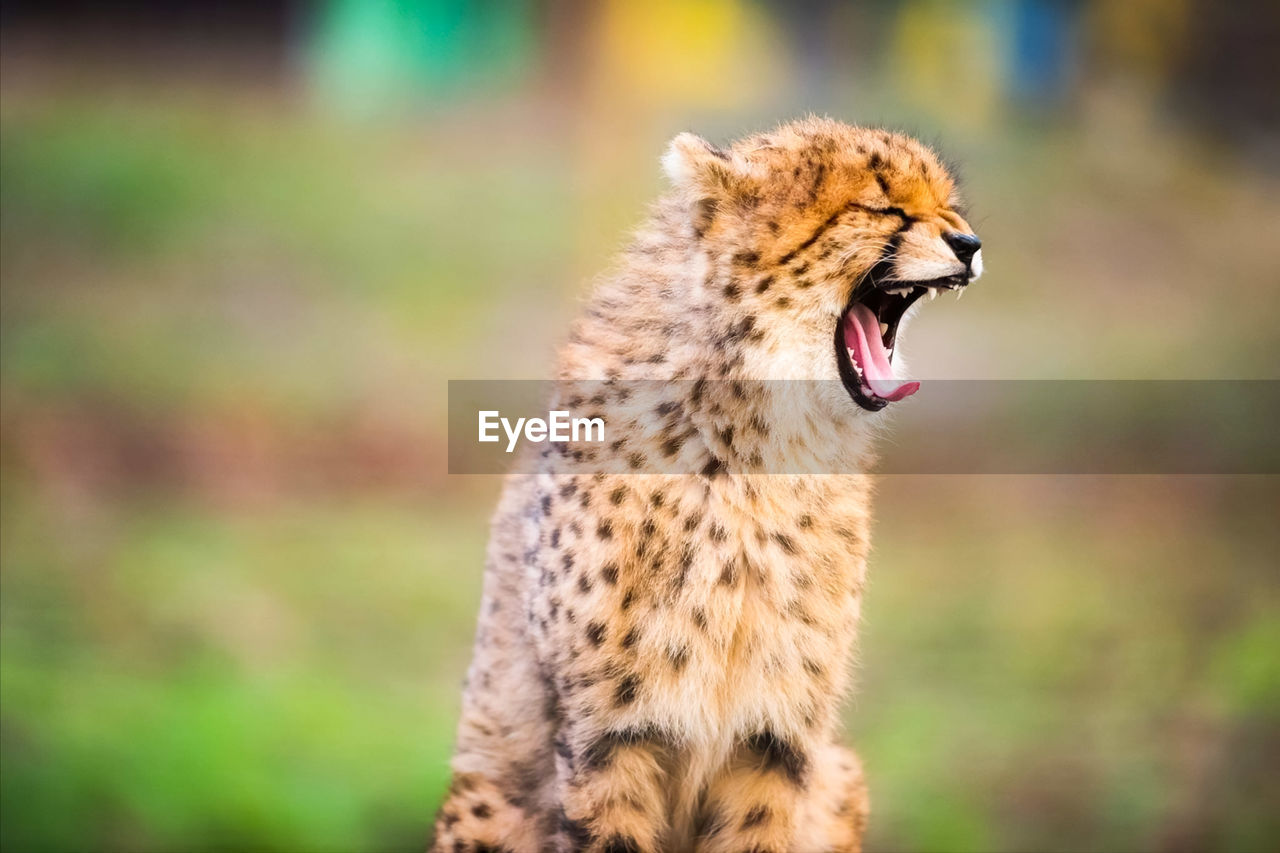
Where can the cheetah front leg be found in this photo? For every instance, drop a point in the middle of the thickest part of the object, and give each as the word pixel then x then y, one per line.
pixel 780 796
pixel 833 816
pixel 612 791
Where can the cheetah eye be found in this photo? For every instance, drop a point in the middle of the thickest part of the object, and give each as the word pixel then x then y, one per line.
pixel 885 211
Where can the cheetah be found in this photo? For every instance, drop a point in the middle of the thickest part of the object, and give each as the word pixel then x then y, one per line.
pixel 662 651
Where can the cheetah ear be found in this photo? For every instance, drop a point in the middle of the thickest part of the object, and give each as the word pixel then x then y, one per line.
pixel 696 166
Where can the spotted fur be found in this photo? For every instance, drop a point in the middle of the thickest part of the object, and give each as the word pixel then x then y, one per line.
pixel 660 659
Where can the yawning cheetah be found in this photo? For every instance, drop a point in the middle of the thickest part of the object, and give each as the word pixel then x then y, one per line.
pixel 661 656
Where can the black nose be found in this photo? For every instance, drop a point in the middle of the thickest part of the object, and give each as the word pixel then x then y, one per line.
pixel 964 245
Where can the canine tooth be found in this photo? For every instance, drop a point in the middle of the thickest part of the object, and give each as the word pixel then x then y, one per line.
pixel 933 293
pixel 959 293
pixel 884 327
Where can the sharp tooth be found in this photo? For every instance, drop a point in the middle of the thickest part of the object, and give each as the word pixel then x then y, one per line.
pixel 933 293
pixel 959 293
pixel 884 327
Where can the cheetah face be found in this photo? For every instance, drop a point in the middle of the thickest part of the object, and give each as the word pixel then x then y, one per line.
pixel 820 230
pixel 917 262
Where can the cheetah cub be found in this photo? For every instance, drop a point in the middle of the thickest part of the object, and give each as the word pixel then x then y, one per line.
pixel 662 650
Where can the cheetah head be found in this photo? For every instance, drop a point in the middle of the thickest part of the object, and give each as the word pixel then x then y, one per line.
pixel 820 231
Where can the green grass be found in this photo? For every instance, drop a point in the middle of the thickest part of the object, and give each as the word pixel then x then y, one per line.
pixel 175 677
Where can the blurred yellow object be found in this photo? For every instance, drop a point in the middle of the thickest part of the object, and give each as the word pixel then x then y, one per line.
pixel 669 52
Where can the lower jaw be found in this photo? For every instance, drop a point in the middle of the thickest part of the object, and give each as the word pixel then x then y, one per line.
pixel 850 378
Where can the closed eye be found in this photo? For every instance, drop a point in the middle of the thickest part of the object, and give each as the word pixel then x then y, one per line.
pixel 884 211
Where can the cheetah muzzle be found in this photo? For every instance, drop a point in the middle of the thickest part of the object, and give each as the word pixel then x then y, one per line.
pixel 868 329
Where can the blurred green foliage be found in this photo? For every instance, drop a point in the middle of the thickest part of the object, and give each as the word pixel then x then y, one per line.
pixel 179 679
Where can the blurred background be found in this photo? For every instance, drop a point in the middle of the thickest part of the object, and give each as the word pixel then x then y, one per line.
pixel 244 245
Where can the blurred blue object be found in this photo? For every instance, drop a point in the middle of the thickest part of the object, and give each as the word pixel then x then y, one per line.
pixel 1041 44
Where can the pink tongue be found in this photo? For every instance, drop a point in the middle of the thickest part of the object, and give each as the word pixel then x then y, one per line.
pixel 862 335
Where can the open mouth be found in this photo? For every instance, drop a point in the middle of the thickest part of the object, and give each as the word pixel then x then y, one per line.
pixel 868 330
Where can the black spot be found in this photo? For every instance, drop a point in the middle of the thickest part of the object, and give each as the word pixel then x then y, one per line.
pixel 741 330
pixel 671 447
pixel 718 533
pixel 755 817
pixel 666 408
pixel 595 633
pixel 605 529
pixel 576 831
pixel 876 161
pixel 819 177
pixel 610 574
pixel 555 538
pixel 729 574
pixel 618 495
pixel 786 542
pixel 805 521
pixel 621 844
pixel 884 185
pixel 568 561
pixel 600 751
pixel 732 291
pixel 700 618
pixel 628 599
pixel 747 257
pixel 546 504
pixel 636 460
pixel 782 302
pixel 568 489
pixel 584 583
pixel 631 637
pixel 712 468
pixel 691 522
pixel 657 499
pixel 482 811
pixel 678 657
pixel 628 687
pixel 686 562
pixel 764 284
pixel 779 755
